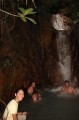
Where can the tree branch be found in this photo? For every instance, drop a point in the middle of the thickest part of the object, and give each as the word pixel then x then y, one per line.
pixel 9 13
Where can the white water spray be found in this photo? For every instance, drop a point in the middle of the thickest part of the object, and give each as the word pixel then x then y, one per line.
pixel 59 22
pixel 64 55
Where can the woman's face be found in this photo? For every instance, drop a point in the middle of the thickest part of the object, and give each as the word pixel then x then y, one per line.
pixel 33 84
pixel 30 90
pixel 19 95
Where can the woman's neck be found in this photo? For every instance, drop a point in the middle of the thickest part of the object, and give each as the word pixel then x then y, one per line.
pixel 16 100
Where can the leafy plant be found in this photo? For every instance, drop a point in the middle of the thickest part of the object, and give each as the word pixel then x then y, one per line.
pixel 7 63
pixel 24 14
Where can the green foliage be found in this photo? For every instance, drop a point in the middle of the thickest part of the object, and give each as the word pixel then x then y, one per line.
pixel 25 12
pixel 32 20
pixel 22 17
pixel 7 63
pixel 64 10
pixel 78 14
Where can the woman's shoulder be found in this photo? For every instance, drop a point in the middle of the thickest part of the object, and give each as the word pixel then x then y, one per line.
pixel 12 102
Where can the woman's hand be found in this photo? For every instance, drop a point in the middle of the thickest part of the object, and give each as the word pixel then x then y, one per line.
pixel 24 113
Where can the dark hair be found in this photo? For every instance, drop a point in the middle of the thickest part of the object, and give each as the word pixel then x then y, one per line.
pixel 18 89
pixel 31 83
pixel 66 81
pixel 35 92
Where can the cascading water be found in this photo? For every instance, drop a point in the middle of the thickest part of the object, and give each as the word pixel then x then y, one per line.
pixel 64 55
pixel 59 22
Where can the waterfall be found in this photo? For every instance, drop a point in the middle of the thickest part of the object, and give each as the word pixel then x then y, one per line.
pixel 59 22
pixel 64 55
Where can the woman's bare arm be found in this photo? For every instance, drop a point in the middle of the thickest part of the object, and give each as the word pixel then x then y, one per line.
pixel 14 116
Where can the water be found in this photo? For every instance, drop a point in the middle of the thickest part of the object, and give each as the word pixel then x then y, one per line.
pixel 52 107
pixel 64 63
pixel 60 23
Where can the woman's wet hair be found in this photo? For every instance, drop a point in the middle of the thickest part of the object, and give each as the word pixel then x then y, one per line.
pixel 31 83
pixel 35 92
pixel 66 81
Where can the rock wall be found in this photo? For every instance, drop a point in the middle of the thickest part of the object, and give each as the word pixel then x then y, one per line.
pixel 29 53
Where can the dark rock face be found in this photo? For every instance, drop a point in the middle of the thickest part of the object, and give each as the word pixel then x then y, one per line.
pixel 29 53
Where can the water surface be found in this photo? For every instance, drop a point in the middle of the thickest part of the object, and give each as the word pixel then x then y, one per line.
pixel 52 107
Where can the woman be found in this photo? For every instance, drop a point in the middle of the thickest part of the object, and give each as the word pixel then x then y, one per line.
pixel 11 109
